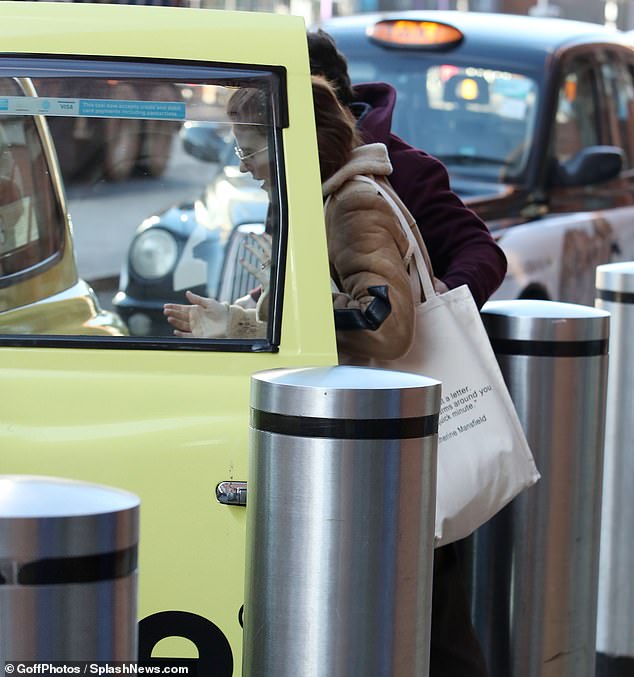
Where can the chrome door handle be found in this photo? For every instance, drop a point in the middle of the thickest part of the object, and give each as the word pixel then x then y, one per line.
pixel 232 493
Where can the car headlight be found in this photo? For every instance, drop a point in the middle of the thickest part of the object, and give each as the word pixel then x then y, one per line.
pixel 153 253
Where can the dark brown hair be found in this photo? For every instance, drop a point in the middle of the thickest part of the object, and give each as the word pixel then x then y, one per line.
pixel 326 60
pixel 336 128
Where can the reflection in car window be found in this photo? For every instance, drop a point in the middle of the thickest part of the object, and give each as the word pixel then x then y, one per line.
pixel 491 115
pixel 479 121
pixel 577 121
pixel 619 82
pixel 167 188
pixel 30 223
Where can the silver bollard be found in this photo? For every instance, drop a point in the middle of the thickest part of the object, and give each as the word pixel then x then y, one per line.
pixel 615 616
pixel 68 570
pixel 533 568
pixel 340 523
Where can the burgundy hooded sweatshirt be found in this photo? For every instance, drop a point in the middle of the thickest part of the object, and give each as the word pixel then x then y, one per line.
pixel 460 245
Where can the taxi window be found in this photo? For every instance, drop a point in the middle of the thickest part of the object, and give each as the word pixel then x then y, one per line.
pixel 30 218
pixel 478 121
pixel 577 117
pixel 171 181
pixel 619 82
pixel 489 117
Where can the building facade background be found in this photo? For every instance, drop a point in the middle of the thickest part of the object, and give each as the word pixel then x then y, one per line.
pixel 617 13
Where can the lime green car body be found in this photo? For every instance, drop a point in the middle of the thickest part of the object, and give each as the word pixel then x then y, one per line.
pixel 161 420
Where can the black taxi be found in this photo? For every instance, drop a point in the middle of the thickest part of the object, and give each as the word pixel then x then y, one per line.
pixel 534 119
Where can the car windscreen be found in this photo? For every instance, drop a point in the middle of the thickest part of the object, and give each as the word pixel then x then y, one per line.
pixel 478 119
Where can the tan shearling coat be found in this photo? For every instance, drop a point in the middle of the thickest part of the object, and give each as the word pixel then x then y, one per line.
pixel 366 247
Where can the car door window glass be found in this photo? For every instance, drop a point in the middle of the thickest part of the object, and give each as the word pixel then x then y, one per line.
pixel 171 178
pixel 30 219
pixel 577 121
pixel 490 116
pixel 619 83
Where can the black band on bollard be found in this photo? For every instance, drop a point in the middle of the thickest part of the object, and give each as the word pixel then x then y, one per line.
pixel 615 296
pixel 345 429
pixel 614 666
pixel 79 569
pixel 550 348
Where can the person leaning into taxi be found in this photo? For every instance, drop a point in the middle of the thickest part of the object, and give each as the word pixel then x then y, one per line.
pixel 462 251
pixel 374 311
pixel 366 249
pixel 459 243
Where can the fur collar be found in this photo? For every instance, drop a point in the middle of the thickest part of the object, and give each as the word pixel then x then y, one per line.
pixel 371 159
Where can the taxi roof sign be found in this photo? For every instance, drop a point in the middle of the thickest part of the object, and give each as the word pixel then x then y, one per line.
pixel 414 34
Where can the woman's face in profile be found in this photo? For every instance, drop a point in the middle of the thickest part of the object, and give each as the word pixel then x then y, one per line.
pixel 252 150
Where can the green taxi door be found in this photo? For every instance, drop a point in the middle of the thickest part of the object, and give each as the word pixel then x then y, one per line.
pixel 115 397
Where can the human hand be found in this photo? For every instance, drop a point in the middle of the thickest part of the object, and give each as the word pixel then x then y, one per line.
pixel 205 318
pixel 260 247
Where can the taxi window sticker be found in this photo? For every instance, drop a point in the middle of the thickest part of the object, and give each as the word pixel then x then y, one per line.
pixel 93 108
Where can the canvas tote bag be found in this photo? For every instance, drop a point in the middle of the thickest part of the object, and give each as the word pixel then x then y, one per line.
pixel 484 460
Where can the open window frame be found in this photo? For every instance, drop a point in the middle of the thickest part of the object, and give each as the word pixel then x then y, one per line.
pixel 201 76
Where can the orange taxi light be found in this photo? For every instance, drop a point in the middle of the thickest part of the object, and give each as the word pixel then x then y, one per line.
pixel 410 33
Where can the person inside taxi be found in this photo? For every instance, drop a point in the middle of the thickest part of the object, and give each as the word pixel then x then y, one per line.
pixel 247 317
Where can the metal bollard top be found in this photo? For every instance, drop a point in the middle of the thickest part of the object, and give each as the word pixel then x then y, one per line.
pixel 545 321
pixel 51 517
pixel 616 277
pixel 345 392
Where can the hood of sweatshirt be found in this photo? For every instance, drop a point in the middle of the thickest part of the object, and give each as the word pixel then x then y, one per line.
pixel 373 108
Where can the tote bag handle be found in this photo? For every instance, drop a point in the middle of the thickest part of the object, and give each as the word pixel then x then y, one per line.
pixel 422 261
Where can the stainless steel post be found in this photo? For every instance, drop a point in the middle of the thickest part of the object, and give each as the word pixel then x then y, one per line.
pixel 340 523
pixel 533 568
pixel 615 617
pixel 68 570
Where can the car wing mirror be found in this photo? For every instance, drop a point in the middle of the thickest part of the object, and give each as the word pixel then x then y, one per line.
pixel 204 142
pixel 590 165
